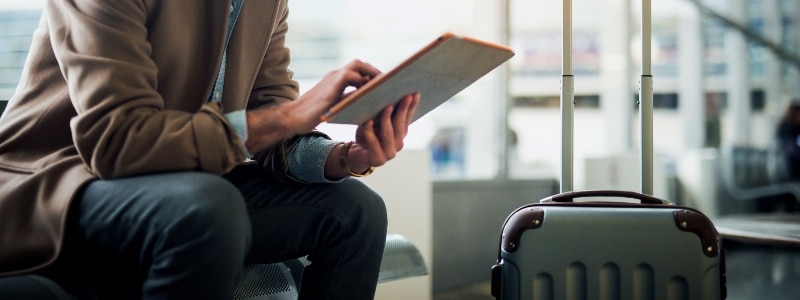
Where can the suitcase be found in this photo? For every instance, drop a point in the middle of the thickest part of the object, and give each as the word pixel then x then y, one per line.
pixel 560 249
pixel 640 248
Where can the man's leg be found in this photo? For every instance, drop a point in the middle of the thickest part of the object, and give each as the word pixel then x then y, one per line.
pixel 340 226
pixel 174 235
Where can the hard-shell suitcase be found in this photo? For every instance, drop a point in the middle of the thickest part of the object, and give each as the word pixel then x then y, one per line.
pixel 565 249
pixel 561 249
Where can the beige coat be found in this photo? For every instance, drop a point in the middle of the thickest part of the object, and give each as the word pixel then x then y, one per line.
pixel 120 88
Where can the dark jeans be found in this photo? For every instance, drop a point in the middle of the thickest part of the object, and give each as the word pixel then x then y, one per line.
pixel 186 235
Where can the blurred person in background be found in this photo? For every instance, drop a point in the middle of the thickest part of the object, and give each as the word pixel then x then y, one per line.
pixel 788 139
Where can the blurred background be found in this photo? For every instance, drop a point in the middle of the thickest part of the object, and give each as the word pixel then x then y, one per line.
pixel 726 73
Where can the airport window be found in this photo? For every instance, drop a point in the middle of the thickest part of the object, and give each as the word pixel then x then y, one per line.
pixel 717 99
pixel 661 101
pixel 757 100
pixel 379 34
pixel 525 95
pixel 554 101
pixel 713 37
pixel 665 45
pixel 15 38
pixel 455 134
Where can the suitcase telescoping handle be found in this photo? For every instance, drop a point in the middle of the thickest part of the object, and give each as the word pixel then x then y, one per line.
pixel 568 102
pixel 570 196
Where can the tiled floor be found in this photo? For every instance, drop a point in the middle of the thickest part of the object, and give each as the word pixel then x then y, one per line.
pixel 754 272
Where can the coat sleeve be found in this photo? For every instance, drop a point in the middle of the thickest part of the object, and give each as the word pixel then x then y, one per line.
pixel 274 82
pixel 274 85
pixel 122 128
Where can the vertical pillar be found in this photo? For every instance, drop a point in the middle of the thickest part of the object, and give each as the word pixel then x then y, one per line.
pixel 737 131
pixel 616 94
pixel 776 99
pixel 793 32
pixel 690 75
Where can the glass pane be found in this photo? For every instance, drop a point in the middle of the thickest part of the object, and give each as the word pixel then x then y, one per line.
pixel 18 21
pixel 535 87
pixel 461 134
pixel 716 87
pixel 326 34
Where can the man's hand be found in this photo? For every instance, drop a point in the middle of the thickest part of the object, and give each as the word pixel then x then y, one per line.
pixel 377 141
pixel 268 126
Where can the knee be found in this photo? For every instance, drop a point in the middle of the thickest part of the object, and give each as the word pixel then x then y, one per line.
pixel 208 207
pixel 364 207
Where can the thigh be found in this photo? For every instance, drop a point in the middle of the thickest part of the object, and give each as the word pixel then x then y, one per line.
pixel 294 220
pixel 118 216
pixel 117 227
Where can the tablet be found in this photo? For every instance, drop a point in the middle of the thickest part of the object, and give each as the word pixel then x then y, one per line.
pixel 438 71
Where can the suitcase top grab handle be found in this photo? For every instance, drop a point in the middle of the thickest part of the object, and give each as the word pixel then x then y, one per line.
pixel 570 196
